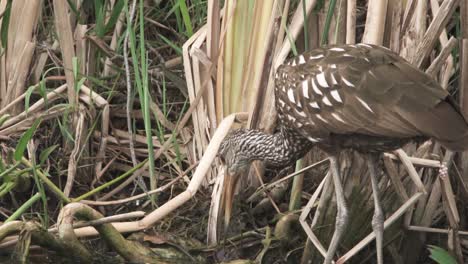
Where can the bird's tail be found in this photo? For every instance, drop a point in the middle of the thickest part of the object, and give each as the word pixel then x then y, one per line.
pixel 444 122
pixel 450 127
pixel 460 144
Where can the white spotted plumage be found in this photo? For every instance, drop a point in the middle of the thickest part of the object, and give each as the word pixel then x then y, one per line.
pixel 337 49
pixel 314 105
pixel 336 95
pixel 291 95
pixel 364 104
pixel 315 88
pixel 348 83
pixel 321 80
pixel 305 88
pixel 326 101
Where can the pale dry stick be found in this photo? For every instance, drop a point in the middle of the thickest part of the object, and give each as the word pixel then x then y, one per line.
pixel 387 223
pixel 417 161
pixel 433 32
pixel 392 172
pixel 19 48
pixel 463 82
pixel 93 98
pixel 140 196
pixel 227 56
pixel 444 54
pixel 81 47
pixel 212 51
pixel 137 114
pixel 124 184
pixel 202 73
pixel 409 36
pixel 3 63
pixel 35 107
pixel 324 202
pixel 113 45
pixel 408 15
pixel 10 228
pixel 320 214
pixel 432 204
pixel 222 83
pixel 129 86
pixel 394 28
pixel 122 136
pixel 160 116
pixel 464 187
pixel 215 207
pixel 448 195
pixel 411 170
pixel 17 80
pixel 375 22
pixel 219 86
pixel 74 155
pixel 26 123
pixel 17 100
pixel 351 22
pixel 263 65
pixel 105 220
pixel 464 74
pixel 189 76
pixel 40 61
pixel 268 195
pixel 264 188
pixel 451 210
pixel 198 82
pixel 420 21
pixel 65 37
pixel 103 170
pixel 257 67
pixel 414 32
pixel 433 230
pixel 443 39
pixel 305 212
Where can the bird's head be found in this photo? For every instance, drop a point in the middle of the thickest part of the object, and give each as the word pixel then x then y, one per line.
pixel 235 153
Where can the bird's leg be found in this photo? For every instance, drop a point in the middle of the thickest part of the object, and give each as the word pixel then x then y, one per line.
pixel 342 211
pixel 378 219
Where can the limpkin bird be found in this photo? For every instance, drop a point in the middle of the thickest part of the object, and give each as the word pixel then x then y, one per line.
pixel 362 97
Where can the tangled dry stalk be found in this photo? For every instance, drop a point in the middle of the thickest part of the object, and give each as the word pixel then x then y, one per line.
pixel 63 67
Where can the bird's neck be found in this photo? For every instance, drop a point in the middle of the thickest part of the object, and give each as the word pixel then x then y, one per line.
pixel 281 149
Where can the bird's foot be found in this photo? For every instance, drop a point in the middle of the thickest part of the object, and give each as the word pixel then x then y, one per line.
pixel 443 170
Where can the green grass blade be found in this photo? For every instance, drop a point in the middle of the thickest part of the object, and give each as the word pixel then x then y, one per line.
pixel 23 208
pixel 441 256
pixel 174 46
pixel 23 141
pixel 326 28
pixel 186 17
pixel 114 17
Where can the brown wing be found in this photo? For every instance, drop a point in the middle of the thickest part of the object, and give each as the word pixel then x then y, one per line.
pixel 363 89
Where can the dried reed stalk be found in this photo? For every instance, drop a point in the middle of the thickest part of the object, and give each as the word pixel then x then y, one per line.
pixel 375 22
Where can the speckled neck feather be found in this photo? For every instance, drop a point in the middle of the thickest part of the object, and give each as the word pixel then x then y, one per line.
pixel 277 150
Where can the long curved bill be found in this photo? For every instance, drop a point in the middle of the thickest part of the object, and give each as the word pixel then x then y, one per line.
pixel 229 186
